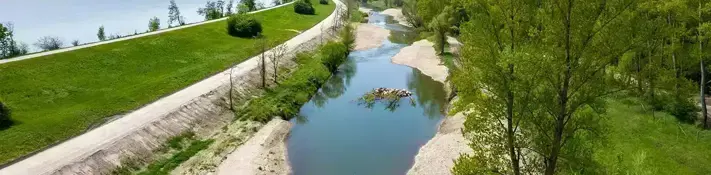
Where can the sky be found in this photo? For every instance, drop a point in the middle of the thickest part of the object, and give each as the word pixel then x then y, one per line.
pixel 80 19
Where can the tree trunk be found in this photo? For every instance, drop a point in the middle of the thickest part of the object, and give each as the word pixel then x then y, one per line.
pixel 510 127
pixel 552 159
pixel 703 75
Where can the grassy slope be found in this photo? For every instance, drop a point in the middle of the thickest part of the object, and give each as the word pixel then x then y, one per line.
pixel 640 144
pixel 58 96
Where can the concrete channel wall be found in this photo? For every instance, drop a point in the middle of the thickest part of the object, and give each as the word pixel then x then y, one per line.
pixel 200 107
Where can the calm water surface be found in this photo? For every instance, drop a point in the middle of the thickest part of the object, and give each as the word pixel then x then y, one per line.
pixel 335 135
pixel 80 19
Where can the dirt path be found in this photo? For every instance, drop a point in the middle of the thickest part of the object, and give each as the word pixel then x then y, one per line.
pixel 96 141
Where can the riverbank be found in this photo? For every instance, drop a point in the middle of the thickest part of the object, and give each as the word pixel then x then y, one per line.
pixel 438 154
pixel 369 36
pixel 265 153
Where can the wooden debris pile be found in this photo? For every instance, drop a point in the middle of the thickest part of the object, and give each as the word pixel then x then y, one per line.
pixel 390 96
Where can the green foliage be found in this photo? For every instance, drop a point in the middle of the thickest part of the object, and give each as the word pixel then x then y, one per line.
pixel 153 24
pixel 76 89
pixel 242 25
pixel 5 120
pixel 165 166
pixel 250 4
pixel 286 99
pixel 333 54
pixel 101 34
pixel 304 7
pixel 409 10
pixel 174 14
pixel 8 46
pixel 212 10
pixel 348 37
pixel 441 25
pixel 324 2
pixel 177 141
pixel 639 143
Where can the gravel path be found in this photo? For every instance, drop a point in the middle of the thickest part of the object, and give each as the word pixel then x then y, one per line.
pixel 94 141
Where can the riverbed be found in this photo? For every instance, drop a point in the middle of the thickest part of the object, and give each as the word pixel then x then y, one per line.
pixel 335 134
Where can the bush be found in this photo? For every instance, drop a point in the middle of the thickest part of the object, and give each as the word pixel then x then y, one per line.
pixel 5 120
pixel 333 54
pixel 684 110
pixel 304 7
pixel 324 2
pixel 243 26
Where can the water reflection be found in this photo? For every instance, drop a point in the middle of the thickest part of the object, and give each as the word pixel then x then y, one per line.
pixel 337 84
pixel 430 93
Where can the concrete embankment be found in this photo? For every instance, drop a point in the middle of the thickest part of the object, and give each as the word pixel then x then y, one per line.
pixel 202 107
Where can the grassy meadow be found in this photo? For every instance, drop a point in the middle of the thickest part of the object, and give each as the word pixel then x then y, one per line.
pixel 58 96
pixel 639 143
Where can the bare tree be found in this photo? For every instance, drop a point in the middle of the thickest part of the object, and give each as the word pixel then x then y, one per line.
pixel 261 44
pixel 174 14
pixel 277 54
pixel 49 43
pixel 75 43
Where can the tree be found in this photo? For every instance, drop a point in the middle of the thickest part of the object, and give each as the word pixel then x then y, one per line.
pixel 229 8
pixel 153 24
pixel 441 25
pixel 174 14
pixel 8 46
pixel 261 44
pixel 242 8
pixel 703 32
pixel 277 54
pixel 47 43
pixel 212 10
pixel 101 35
pixel 251 5
pixel 429 9
pixel 497 79
pixel 579 39
pixel 75 43
pixel 409 10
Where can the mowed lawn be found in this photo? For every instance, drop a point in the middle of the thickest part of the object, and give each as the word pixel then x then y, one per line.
pixel 639 143
pixel 59 96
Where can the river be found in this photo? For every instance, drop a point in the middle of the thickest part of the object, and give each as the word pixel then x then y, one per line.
pixel 80 19
pixel 336 135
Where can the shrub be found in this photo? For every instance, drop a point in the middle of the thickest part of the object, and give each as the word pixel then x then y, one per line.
pixel 304 7
pixel 333 54
pixel 348 37
pixel 684 110
pixel 324 2
pixel 243 26
pixel 5 120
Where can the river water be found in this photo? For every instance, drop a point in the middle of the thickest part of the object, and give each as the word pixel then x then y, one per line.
pixel 336 135
pixel 80 19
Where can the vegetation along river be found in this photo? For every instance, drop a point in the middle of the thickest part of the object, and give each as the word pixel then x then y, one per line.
pixel 336 135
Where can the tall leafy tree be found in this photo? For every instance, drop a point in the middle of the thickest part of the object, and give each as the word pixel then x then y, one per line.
pixel 496 78
pixel 174 14
pixel 8 46
pixel 441 25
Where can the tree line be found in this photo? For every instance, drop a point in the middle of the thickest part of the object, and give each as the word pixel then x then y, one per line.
pixel 534 75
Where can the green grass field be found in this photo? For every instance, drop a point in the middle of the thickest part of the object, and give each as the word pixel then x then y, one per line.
pixel 641 144
pixel 58 96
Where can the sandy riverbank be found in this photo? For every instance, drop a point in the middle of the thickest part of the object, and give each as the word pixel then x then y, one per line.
pixel 265 153
pixel 369 36
pixel 397 16
pixel 422 56
pixel 438 155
